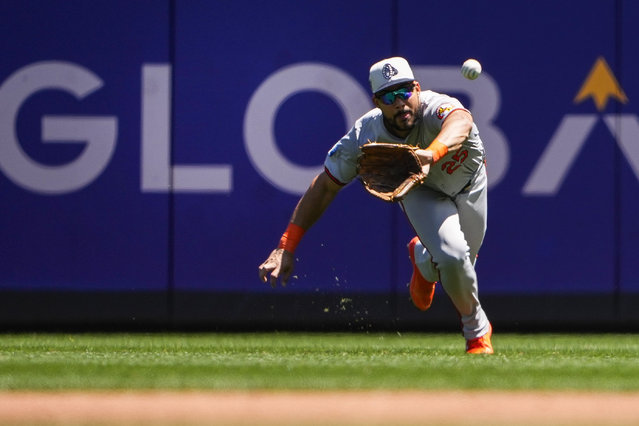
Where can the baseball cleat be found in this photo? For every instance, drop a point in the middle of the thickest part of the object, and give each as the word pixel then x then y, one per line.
pixel 421 290
pixel 481 345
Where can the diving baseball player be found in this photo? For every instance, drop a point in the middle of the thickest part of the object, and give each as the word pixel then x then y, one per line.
pixel 447 211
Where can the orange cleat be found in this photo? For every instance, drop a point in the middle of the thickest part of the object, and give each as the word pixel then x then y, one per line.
pixel 421 290
pixel 480 345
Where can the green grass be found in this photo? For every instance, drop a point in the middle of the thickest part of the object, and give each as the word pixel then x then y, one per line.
pixel 608 362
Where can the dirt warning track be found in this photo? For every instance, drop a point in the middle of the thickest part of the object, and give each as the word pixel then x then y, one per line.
pixel 319 408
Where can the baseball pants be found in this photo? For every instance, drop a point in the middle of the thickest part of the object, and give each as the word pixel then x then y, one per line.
pixel 451 231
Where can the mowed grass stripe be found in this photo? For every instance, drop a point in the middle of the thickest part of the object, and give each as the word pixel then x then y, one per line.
pixel 608 362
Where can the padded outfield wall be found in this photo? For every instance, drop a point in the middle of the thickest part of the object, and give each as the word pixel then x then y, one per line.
pixel 151 153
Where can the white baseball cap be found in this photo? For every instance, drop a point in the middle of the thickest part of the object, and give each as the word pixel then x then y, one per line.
pixel 389 72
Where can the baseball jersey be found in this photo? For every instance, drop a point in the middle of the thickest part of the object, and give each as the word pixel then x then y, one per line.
pixel 450 175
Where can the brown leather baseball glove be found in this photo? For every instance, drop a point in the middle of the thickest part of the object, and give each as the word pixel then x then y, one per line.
pixel 389 171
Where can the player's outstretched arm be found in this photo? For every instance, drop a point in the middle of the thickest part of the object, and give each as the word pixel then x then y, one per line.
pixel 454 132
pixel 280 263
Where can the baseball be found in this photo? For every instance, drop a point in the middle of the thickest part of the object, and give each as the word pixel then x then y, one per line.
pixel 471 69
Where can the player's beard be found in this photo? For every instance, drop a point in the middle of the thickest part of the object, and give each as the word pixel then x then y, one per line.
pixel 402 122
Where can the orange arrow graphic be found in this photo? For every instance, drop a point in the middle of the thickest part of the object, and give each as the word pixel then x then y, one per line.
pixel 601 85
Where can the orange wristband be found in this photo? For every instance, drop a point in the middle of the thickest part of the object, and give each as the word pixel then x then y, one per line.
pixel 291 237
pixel 439 150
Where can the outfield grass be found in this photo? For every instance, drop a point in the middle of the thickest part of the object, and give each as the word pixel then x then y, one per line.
pixel 608 362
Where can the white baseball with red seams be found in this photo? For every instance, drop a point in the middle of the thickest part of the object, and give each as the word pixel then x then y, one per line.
pixel 471 69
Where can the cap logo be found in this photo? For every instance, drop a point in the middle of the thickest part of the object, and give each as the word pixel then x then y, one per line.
pixel 388 71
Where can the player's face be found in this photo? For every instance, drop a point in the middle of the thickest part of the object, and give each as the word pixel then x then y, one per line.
pixel 399 105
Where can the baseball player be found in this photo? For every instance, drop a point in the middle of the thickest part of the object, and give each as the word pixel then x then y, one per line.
pixel 447 211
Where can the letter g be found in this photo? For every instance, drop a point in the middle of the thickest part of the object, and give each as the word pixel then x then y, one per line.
pixel 97 132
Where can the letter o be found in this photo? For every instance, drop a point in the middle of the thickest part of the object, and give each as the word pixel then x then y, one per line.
pixel 259 121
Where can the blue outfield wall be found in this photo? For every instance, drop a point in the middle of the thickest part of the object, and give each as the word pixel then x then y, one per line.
pixel 151 153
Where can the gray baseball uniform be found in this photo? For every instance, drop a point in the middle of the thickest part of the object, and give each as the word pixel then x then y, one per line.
pixel 448 211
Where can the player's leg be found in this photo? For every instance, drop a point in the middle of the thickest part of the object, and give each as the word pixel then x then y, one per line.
pixel 472 209
pixel 428 221
pixel 435 218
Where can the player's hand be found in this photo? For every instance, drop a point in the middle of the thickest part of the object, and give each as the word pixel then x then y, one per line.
pixel 425 156
pixel 280 265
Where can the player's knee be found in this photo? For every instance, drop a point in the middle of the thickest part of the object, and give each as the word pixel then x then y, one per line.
pixel 452 260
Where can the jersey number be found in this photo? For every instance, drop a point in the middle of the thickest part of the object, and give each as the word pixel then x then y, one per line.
pixel 451 165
